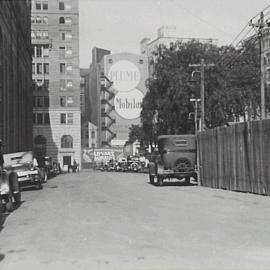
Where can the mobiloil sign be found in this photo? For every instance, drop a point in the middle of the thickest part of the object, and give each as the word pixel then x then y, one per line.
pixel 128 72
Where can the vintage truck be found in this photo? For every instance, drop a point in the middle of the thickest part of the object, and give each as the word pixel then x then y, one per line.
pixel 176 158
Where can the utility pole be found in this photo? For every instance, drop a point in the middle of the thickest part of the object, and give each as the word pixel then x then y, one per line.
pixel 260 25
pixel 202 66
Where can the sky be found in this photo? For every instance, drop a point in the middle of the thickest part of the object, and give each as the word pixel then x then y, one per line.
pixel 120 25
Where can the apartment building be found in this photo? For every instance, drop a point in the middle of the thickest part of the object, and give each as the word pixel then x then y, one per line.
pixel 56 80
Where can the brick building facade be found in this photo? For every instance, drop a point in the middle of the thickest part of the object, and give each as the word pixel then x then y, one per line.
pixel 56 76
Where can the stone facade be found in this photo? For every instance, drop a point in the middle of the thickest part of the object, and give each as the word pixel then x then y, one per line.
pixel 56 76
pixel 15 76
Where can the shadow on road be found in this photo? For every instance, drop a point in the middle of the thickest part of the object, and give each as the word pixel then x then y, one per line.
pixel 2 257
pixel 175 183
pixel 5 215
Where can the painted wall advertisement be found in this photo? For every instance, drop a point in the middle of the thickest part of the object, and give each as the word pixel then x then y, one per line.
pixel 100 155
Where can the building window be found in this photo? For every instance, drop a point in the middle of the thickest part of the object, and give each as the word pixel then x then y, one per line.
pixel 62 68
pixel 61 20
pixel 63 101
pixel 46 85
pixel 33 19
pixel 61 5
pixel 38 19
pixel 69 84
pixel 69 68
pixel 39 68
pixel 38 51
pixel 46 68
pixel 46 102
pixel 39 102
pixel 63 117
pixel 38 5
pixel 46 51
pixel 45 20
pixel 68 35
pixel 62 85
pixel 68 21
pixel 45 5
pixel 69 101
pixel 93 134
pixel 66 141
pixel 39 84
pixel 68 52
pixel 66 118
pixel 63 36
pixel 39 118
pixel 62 52
pixel 70 118
pixel 46 118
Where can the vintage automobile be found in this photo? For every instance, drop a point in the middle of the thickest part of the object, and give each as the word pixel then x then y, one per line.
pixel 21 164
pixel 9 190
pixel 176 158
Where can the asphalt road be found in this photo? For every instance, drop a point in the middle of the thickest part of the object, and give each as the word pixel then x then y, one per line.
pixel 102 220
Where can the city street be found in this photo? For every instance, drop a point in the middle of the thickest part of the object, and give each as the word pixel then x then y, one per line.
pixel 109 220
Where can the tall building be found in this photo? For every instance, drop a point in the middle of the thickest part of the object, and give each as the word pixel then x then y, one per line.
pixel 120 88
pixel 15 76
pixel 94 104
pixel 165 36
pixel 84 90
pixel 56 76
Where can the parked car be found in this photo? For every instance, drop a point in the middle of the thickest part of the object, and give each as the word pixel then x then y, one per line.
pixel 9 190
pixel 176 159
pixel 21 164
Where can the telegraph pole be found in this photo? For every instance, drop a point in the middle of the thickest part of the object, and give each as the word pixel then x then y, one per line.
pixel 202 66
pixel 260 25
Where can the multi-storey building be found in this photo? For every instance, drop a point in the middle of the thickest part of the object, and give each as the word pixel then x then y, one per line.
pixel 167 35
pixel 118 85
pixel 56 76
pixel 15 76
pixel 84 90
pixel 94 104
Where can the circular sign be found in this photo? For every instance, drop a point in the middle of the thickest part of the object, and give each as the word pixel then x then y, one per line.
pixel 128 105
pixel 125 76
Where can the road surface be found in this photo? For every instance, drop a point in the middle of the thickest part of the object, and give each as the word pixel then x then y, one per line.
pixel 109 220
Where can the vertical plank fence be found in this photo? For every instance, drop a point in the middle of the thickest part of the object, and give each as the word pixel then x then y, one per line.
pixel 236 157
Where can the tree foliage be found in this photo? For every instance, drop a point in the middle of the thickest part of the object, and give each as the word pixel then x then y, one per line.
pixel 231 87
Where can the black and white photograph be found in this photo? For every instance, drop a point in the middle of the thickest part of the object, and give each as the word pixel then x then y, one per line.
pixel 134 135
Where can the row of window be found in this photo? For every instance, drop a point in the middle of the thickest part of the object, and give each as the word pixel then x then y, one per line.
pixel 41 101
pixel 66 141
pixel 40 84
pixel 40 34
pixel 44 5
pixel 43 68
pixel 44 118
pixel 45 20
pixel 40 68
pixel 41 51
pixel 44 34
pixel 44 101
pixel 41 118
